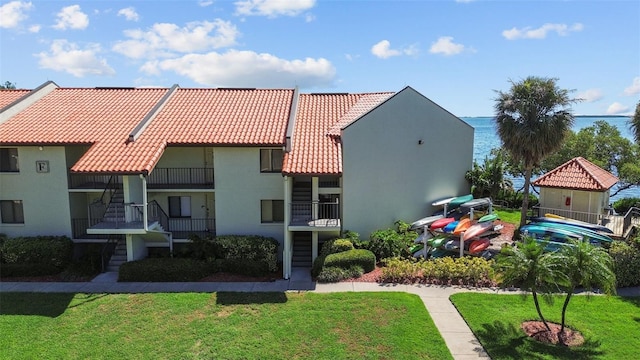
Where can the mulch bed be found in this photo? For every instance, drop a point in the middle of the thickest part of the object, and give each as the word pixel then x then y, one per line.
pixel 537 331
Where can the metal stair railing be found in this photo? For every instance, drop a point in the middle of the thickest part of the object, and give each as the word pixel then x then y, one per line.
pixel 632 213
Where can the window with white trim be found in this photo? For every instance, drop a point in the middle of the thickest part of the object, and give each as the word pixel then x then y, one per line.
pixel 9 160
pixel 11 212
pixel 271 160
pixel 180 206
pixel 272 211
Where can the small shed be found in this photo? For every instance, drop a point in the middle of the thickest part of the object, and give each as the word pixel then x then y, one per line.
pixel 577 189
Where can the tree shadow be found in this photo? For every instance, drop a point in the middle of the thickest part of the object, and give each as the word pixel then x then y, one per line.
pixel 506 341
pixel 244 298
pixel 40 304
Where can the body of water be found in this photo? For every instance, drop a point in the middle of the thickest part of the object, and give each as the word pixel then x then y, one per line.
pixel 486 138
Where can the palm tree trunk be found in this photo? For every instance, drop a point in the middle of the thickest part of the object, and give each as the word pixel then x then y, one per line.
pixel 525 195
pixel 564 307
pixel 535 301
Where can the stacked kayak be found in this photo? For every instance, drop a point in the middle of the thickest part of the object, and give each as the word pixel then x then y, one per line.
pixel 556 232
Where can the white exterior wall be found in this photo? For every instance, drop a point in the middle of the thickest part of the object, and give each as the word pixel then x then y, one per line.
pixel 45 196
pixel 388 175
pixel 186 157
pixel 239 188
pixel 581 201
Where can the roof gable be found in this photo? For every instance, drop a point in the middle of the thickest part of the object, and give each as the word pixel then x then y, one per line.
pixel 578 174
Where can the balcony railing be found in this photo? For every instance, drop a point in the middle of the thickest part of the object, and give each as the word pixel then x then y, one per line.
pixel 79 229
pixel 593 218
pixel 176 178
pixel 329 182
pixel 159 178
pixel 184 228
pixel 320 214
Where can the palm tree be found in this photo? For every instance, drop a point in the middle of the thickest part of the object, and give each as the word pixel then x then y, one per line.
pixel 532 120
pixel 527 266
pixel 585 266
pixel 635 124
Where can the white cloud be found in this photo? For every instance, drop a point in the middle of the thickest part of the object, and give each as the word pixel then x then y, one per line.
pixel 34 28
pixel 445 45
pixel 541 32
pixel 591 95
pixel 12 13
pixel 71 17
pixel 165 40
pixel 617 108
pixel 205 3
pixel 129 13
pixel 68 57
pixel 247 69
pixel 273 8
pixel 383 50
pixel 634 88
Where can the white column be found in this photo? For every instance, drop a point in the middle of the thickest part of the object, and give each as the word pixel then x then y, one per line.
pixel 286 253
pixel 314 197
pixel 314 246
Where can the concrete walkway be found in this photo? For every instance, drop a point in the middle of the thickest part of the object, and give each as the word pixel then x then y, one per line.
pixel 459 339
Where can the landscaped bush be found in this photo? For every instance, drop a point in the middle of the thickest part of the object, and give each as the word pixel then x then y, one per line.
pixel 247 255
pixel 46 255
pixel 317 266
pixel 335 246
pixel 346 259
pixel 626 259
pixel 474 271
pixel 388 243
pixel 335 274
pixel 199 248
pixel 623 205
pixel 164 270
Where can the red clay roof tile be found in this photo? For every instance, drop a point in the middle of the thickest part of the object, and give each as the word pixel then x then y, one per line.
pixel 578 174
pixel 9 96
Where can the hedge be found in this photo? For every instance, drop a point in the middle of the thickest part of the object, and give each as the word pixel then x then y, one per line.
pixel 347 259
pixel 246 254
pixel 164 270
pixel 46 254
pixel 626 260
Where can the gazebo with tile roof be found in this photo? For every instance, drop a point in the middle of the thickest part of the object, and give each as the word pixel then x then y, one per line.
pixel 577 189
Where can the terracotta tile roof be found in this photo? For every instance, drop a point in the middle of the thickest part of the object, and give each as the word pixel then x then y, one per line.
pixel 223 117
pixel 366 103
pixel 314 149
pixel 9 96
pixel 578 174
pixel 101 117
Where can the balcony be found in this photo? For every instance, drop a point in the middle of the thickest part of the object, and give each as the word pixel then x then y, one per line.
pixel 315 214
pixel 159 178
pixel 180 228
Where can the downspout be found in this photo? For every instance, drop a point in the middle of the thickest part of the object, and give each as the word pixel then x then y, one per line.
pixel 286 255
pixel 145 205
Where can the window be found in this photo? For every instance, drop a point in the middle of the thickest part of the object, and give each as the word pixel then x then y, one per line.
pixel 272 211
pixel 11 211
pixel 9 160
pixel 271 160
pixel 180 206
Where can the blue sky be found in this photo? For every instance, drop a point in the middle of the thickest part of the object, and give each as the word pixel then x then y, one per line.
pixel 457 53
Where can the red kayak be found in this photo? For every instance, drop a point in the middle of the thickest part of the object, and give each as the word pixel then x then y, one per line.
pixel 440 223
pixel 477 230
pixel 479 245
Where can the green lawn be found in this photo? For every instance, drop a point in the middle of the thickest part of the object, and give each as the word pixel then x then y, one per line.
pixel 610 325
pixel 218 325
pixel 509 215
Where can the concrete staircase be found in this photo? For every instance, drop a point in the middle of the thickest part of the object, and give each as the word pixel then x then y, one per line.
pixel 301 250
pixel 115 209
pixel 119 256
pixel 301 194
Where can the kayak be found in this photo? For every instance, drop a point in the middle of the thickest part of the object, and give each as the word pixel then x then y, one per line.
pixel 477 246
pixel 440 223
pixel 456 202
pixel 592 235
pixel 419 224
pixel 462 226
pixel 477 230
pixel 450 226
pixel 488 217
pixel 578 223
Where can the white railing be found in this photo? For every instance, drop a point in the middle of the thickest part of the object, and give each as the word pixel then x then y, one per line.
pixel 593 218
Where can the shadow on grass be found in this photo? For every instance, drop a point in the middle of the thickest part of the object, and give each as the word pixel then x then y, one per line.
pixel 41 304
pixel 506 341
pixel 634 300
pixel 243 298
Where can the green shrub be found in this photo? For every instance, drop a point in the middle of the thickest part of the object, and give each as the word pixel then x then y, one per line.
pixel 199 248
pixel 626 260
pixel 27 269
pixel 335 274
pixel 335 246
pixel 475 271
pixel 387 243
pixel 346 259
pixel 623 205
pixel 50 251
pixel 164 270
pixel 318 263
pixel 248 255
